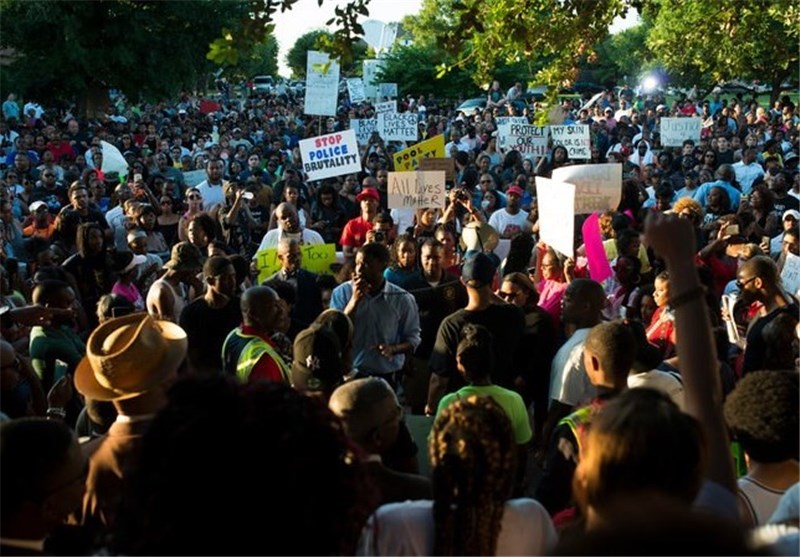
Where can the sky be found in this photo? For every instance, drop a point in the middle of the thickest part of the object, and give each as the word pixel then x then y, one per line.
pixel 306 16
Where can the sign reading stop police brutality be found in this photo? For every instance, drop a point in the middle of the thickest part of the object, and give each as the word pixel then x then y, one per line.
pixel 598 187
pixel 675 130
pixel 322 84
pixel 529 141
pixel 417 190
pixel 398 127
pixel 409 159
pixel 330 155
pixel 575 139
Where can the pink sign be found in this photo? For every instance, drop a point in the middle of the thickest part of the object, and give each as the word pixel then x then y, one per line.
pixel 599 268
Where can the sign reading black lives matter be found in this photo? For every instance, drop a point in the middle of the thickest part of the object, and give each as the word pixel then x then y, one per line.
pixel 330 155
pixel 398 127
pixel 417 190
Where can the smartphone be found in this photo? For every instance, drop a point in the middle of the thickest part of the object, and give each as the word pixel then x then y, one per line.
pixel 59 370
pixel 137 177
pixel 248 195
pixel 766 240
pixel 732 230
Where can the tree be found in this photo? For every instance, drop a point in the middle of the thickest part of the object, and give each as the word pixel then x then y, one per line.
pixel 619 55
pixel 147 49
pixel 320 39
pixel 262 60
pixel 727 39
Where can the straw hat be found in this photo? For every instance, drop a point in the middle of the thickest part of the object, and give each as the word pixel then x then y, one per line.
pixel 479 236
pixel 128 356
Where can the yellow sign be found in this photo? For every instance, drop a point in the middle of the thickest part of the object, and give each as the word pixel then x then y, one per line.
pixel 317 258
pixel 408 159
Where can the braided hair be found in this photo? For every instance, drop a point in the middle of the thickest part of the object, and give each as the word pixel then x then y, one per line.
pixel 473 457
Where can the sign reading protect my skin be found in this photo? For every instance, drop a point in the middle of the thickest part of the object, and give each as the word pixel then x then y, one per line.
pixel 417 190
pixel 330 155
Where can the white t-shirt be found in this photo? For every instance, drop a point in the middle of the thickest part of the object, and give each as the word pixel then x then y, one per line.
pixel 274 236
pixel 667 383
pixel 569 383
pixel 408 529
pixel 507 224
pixel 212 195
pixel 403 219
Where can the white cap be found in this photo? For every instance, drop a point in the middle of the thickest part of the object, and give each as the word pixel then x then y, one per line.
pixel 791 212
pixel 36 205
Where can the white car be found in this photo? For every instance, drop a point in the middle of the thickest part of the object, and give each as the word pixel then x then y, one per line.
pixel 263 84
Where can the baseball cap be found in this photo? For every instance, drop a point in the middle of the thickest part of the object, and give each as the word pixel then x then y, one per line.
pixel 317 363
pixel 185 256
pixel 788 213
pixel 478 269
pixel 138 233
pixel 789 157
pixel 368 192
pixel 516 190
pixel 36 205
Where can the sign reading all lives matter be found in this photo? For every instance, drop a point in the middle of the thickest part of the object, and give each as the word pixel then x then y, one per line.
pixel 574 138
pixel 417 190
pixel 330 155
pixel 598 187
pixel 675 130
pixel 322 84
pixel 529 141
pixel 398 127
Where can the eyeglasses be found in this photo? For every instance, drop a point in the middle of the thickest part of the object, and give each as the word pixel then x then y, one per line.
pixel 740 284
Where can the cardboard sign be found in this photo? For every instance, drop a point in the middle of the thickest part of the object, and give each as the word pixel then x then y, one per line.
pixel 386 107
pixel 791 274
pixel 675 130
pixel 317 258
pixel 447 165
pixel 409 159
pixel 574 138
pixel 355 89
pixel 322 84
pixel 193 177
pixel 556 214
pixel 330 155
pixel 529 141
pixel 598 187
pixel 398 127
pixel 387 90
pixel 363 128
pixel 417 190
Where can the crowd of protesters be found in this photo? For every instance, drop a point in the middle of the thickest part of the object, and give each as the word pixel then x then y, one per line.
pixel 159 397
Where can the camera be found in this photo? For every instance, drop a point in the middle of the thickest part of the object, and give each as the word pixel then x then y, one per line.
pixel 379 236
pixel 462 195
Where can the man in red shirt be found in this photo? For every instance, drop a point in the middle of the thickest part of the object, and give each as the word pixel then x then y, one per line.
pixel 248 353
pixel 355 231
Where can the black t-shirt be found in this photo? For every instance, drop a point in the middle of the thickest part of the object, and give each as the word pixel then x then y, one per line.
pixel 435 304
pixel 756 352
pixel 784 204
pixel 206 329
pixel 507 325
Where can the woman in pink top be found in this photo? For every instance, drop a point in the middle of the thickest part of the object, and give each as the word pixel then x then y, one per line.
pixel 551 278
pixel 125 264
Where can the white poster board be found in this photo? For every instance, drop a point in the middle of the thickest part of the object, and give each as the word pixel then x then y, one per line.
pixel 363 128
pixel 598 187
pixel 355 90
pixel 330 155
pixel 417 190
pixel 384 107
pixel 675 130
pixel 370 69
pixel 113 161
pixel 503 120
pixel 574 138
pixel 398 127
pixel 530 141
pixel 790 276
pixel 556 214
pixel 387 90
pixel 322 84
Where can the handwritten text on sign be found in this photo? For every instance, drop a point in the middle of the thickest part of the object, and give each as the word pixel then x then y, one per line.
pixel 330 155
pixel 529 141
pixel 363 128
pixel 675 130
pixel 386 106
pixel 388 90
pixel 598 187
pixel 791 274
pixel 575 139
pixel 355 89
pixel 398 127
pixel 409 159
pixel 317 258
pixel 417 190
pixel 322 84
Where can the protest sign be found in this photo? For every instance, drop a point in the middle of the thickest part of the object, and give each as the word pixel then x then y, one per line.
pixel 330 155
pixel 599 267
pixel 556 214
pixel 598 187
pixel 448 165
pixel 385 107
pixel 574 138
pixel 363 128
pixel 503 120
pixel 193 177
pixel 417 190
pixel 322 84
pixel 113 161
pixel 791 274
pixel 317 258
pixel 370 69
pixel 409 159
pixel 387 90
pixel 398 127
pixel 355 89
pixel 675 130
pixel 529 141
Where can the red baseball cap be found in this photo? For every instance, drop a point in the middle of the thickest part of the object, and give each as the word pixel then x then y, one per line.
pixel 368 192
pixel 516 190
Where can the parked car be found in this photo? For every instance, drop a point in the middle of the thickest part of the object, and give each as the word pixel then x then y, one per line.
pixel 472 106
pixel 263 84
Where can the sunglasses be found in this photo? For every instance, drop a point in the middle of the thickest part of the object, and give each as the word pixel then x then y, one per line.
pixel 740 284
pixel 166 202
pixel 194 197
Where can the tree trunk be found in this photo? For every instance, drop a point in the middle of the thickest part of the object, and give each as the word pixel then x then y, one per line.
pixel 776 89
pixel 95 101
